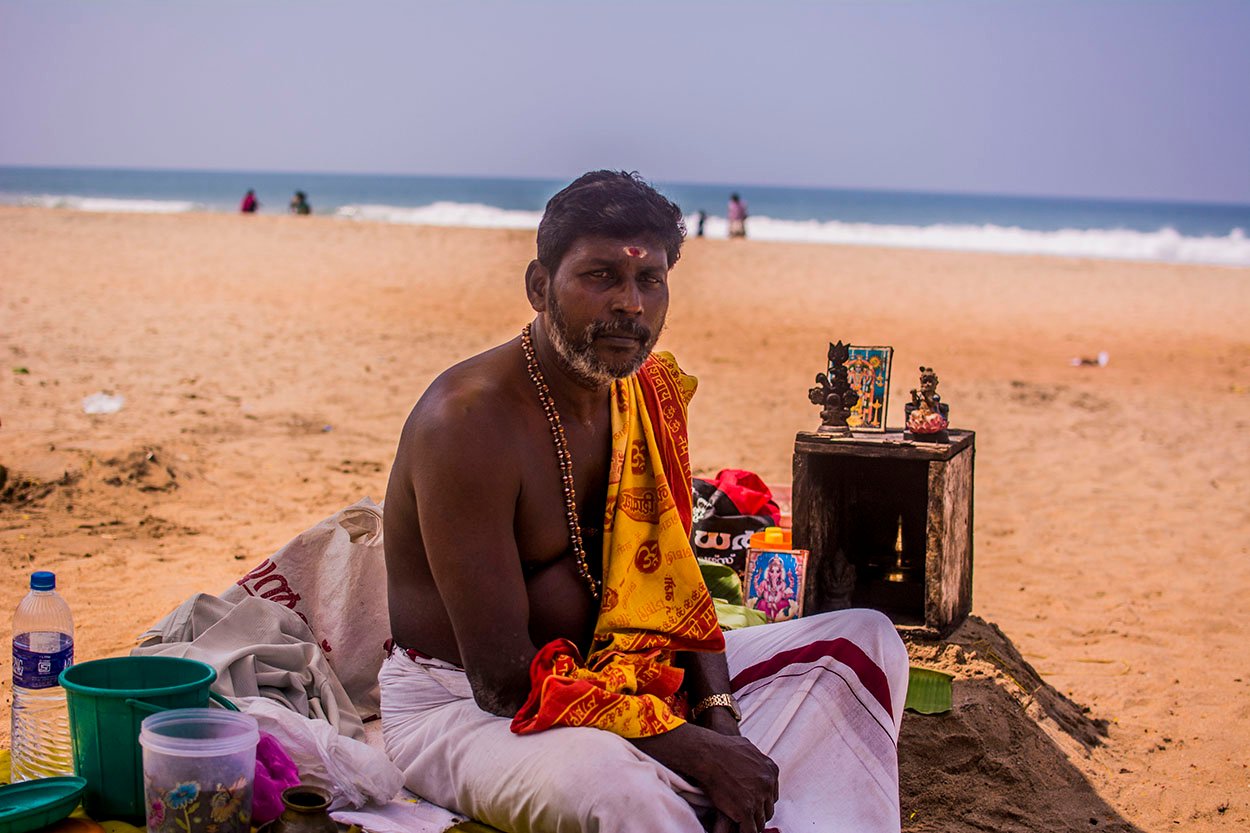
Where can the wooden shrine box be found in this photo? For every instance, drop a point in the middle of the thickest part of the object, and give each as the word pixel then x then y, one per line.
pixel 888 522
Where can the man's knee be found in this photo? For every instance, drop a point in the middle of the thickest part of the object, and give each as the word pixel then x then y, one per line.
pixel 877 636
pixel 629 796
pixel 642 813
pixel 603 783
pixel 887 633
pixel 873 631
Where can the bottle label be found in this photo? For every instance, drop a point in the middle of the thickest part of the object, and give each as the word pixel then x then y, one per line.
pixel 37 669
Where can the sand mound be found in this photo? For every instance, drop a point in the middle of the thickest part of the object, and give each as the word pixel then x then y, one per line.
pixel 143 470
pixel 19 489
pixel 1001 758
pixel 72 473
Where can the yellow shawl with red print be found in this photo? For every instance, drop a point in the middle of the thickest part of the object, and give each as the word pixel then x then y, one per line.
pixel 654 599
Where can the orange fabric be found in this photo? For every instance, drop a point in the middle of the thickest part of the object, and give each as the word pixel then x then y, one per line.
pixel 654 599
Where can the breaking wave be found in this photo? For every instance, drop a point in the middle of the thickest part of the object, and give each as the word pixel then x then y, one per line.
pixel 1165 244
pixel 114 204
pixel 472 215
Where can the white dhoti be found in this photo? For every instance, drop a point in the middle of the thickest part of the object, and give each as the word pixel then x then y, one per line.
pixel 822 696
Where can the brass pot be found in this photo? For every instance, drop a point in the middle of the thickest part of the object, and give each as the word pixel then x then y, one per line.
pixel 307 810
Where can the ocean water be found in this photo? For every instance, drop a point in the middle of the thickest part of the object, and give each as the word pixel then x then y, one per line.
pixel 1159 231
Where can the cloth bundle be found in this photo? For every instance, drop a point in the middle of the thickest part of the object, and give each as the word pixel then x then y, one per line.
pixel 333 576
pixel 728 509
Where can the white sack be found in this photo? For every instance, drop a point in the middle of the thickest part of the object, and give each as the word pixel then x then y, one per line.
pixel 334 576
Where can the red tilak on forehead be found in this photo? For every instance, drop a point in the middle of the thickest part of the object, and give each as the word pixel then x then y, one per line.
pixel 635 251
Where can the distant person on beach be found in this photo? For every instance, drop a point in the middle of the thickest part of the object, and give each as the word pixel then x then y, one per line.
pixel 737 216
pixel 299 203
pixel 555 661
pixel 250 203
pixel 699 228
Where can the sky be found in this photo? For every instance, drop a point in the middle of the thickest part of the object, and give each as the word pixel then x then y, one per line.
pixel 1133 99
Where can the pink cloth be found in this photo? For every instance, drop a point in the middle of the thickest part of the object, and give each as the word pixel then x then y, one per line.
pixel 275 771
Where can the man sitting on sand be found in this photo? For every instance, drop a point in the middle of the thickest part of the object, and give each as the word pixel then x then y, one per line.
pixel 556 662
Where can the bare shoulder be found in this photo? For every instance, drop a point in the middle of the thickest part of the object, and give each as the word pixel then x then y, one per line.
pixel 471 408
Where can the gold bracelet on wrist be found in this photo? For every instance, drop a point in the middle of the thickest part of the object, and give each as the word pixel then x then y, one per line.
pixel 713 700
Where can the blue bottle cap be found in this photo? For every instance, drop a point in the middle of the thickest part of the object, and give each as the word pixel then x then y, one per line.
pixel 42 580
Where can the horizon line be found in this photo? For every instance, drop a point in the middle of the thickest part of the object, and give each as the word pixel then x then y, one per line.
pixel 739 185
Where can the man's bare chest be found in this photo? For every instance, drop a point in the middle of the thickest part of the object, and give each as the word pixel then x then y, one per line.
pixel 543 531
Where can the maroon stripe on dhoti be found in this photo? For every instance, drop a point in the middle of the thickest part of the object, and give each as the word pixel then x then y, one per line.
pixel 871 677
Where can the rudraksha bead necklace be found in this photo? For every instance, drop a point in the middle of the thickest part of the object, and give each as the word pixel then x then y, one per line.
pixel 563 457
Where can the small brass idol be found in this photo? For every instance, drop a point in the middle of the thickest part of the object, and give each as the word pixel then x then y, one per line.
pixel 834 394
pixel 927 415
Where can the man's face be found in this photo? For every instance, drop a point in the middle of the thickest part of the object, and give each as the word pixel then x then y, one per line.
pixel 606 305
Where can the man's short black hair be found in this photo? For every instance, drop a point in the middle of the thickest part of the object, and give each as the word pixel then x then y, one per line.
pixel 608 204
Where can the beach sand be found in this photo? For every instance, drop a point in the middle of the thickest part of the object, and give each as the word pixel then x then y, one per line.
pixel 268 363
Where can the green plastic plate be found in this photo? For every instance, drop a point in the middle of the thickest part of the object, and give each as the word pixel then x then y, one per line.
pixel 29 805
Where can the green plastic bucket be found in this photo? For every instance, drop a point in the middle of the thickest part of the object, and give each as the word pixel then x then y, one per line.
pixel 108 699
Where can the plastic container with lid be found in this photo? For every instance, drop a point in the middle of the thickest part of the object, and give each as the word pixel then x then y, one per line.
pixel 198 769
pixel 771 538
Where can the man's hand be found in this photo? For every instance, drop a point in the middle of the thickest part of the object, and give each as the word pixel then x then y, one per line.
pixel 742 786
pixel 739 779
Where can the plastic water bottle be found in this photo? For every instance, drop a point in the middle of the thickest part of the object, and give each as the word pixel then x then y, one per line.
pixel 43 646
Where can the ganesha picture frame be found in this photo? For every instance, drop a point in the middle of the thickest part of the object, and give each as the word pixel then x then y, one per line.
pixel 775 581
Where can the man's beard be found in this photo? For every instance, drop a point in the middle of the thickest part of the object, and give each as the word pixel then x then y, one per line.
pixel 576 351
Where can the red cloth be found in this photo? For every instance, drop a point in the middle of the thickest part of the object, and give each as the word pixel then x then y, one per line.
pixel 748 492
pixel 630 695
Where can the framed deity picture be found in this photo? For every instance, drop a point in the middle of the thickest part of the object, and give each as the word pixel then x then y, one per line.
pixel 868 371
pixel 775 580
